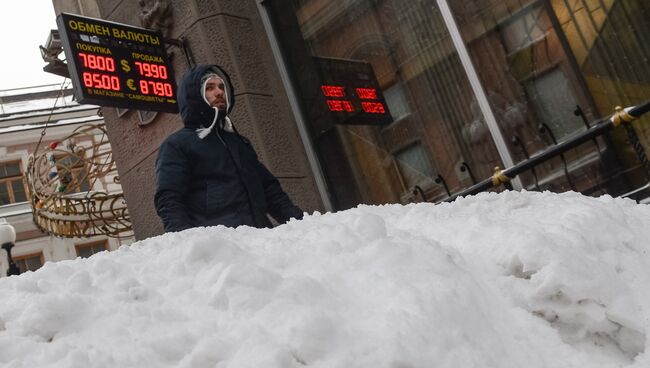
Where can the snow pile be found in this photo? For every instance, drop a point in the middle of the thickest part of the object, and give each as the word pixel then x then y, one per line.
pixel 496 280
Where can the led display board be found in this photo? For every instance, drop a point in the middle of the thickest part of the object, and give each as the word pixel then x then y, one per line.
pixel 351 91
pixel 117 65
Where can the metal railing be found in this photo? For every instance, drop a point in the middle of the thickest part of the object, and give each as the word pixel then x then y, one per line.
pixel 622 116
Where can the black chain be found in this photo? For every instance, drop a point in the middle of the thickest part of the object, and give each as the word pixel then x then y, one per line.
pixel 49 117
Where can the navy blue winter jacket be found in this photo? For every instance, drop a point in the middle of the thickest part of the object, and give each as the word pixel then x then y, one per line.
pixel 217 180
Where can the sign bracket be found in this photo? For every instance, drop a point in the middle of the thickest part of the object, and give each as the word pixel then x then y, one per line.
pixel 182 44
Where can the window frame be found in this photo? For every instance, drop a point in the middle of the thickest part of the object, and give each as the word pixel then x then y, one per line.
pixel 24 257
pixel 92 244
pixel 401 165
pixel 7 180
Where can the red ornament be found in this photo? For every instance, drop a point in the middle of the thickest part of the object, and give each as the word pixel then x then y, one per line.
pixel 54 144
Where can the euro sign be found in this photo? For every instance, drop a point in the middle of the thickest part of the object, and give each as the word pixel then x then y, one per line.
pixel 130 83
pixel 125 65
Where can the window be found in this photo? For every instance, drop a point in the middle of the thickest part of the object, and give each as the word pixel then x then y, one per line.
pixel 12 189
pixel 551 98
pixel 414 165
pixel 536 60
pixel 397 102
pixel 87 250
pixel 30 262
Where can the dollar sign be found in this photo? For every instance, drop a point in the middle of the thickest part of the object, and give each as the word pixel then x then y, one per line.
pixel 125 65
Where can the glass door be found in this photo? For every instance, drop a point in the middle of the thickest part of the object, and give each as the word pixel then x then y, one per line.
pixel 434 142
pixel 392 115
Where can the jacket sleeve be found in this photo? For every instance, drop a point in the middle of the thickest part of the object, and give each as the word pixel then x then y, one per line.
pixel 280 206
pixel 173 171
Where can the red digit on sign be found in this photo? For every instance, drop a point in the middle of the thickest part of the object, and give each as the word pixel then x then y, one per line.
pixel 101 63
pixel 88 79
pixel 115 83
pixel 158 87
pixel 333 91
pixel 147 69
pixel 340 105
pixel 373 107
pixel 83 59
pixel 143 87
pixel 334 105
pixel 92 61
pixel 367 93
pixel 110 64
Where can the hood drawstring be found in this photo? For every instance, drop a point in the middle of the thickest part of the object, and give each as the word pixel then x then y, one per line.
pixel 226 124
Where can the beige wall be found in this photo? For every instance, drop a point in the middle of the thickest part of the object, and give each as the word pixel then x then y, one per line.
pixel 224 32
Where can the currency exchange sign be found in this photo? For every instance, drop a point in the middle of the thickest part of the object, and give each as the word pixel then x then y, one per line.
pixel 117 65
pixel 352 93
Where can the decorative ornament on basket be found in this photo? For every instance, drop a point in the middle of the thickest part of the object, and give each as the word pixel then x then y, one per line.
pixel 72 187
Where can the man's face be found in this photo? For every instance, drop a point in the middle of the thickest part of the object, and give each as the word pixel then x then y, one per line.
pixel 215 93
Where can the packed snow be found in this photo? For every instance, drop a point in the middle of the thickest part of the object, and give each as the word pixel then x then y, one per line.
pixel 494 280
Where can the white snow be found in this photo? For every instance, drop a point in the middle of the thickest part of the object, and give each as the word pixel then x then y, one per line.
pixel 495 280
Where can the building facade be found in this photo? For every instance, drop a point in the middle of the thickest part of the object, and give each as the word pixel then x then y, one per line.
pixel 31 118
pixel 452 90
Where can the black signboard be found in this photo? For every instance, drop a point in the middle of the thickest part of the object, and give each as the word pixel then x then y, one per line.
pixel 351 91
pixel 117 65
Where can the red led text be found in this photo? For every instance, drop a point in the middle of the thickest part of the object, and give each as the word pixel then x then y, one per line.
pixel 340 105
pixel 97 62
pixel 352 102
pixel 151 70
pixel 156 88
pixel 373 107
pixel 367 93
pixel 101 81
pixel 333 91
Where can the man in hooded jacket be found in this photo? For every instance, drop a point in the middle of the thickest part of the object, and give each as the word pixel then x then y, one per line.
pixel 207 174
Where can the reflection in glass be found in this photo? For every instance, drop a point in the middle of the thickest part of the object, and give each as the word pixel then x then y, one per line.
pixel 425 89
pixel 547 68
pixel 540 57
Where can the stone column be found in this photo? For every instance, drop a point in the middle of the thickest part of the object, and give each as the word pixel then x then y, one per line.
pixel 228 33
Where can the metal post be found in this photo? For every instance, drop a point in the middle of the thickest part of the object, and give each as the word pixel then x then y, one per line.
pixel 479 92
pixel 7 239
pixel 13 269
pixel 517 141
pixel 295 106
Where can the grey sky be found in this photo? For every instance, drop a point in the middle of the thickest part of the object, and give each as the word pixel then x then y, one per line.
pixel 24 25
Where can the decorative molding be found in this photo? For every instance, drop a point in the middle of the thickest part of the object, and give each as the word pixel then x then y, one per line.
pixel 146 117
pixel 121 111
pixel 156 15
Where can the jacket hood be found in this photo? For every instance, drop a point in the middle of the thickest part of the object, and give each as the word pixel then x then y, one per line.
pixel 195 112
